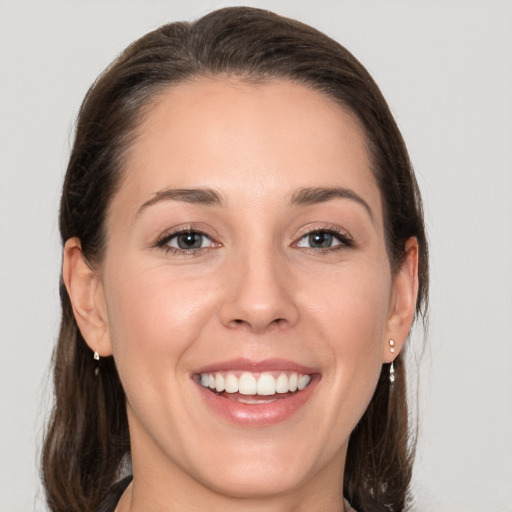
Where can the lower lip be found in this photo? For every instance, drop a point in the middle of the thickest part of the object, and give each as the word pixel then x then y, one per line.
pixel 258 415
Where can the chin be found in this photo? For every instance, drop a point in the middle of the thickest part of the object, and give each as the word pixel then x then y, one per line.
pixel 255 469
pixel 255 481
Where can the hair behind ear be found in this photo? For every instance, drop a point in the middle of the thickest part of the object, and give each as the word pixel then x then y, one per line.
pixel 87 436
pixel 379 458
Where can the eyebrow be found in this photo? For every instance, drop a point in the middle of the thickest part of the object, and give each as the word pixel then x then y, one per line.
pixel 313 195
pixel 209 197
pixel 204 196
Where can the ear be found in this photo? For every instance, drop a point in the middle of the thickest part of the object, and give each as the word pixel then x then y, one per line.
pixel 87 297
pixel 403 301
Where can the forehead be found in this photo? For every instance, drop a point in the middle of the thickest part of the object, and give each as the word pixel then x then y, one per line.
pixel 246 139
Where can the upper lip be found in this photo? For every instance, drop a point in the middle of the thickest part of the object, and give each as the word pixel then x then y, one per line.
pixel 248 365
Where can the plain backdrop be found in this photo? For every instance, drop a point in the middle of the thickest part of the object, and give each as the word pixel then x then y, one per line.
pixel 445 68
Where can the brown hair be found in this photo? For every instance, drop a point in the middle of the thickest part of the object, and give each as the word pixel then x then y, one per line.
pixel 87 439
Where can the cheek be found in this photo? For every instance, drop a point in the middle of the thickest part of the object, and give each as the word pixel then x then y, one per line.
pixel 154 317
pixel 353 305
pixel 352 316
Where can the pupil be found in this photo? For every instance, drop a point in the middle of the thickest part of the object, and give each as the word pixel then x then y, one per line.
pixel 189 241
pixel 320 239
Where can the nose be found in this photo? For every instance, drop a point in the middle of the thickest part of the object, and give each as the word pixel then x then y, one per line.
pixel 259 293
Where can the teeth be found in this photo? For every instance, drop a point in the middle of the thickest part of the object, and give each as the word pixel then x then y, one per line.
pixel 231 383
pixel 247 384
pixel 219 383
pixel 303 382
pixel 282 383
pixel 264 384
pixel 293 382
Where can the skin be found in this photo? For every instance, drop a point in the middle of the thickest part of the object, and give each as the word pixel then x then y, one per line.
pixel 255 290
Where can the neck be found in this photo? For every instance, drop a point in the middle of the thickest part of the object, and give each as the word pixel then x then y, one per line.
pixel 134 500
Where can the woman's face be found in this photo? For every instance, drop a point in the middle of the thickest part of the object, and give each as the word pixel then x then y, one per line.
pixel 245 250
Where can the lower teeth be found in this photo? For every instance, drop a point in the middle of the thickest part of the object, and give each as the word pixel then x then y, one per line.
pixel 254 402
pixel 253 399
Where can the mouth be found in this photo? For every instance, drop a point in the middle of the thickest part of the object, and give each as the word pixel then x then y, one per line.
pixel 254 388
pixel 256 394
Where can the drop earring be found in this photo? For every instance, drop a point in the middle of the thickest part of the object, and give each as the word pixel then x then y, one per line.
pixel 392 368
pixel 96 357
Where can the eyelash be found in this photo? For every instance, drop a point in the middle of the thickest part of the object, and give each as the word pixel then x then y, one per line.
pixel 165 239
pixel 345 241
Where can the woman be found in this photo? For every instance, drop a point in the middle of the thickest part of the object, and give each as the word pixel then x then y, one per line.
pixel 244 255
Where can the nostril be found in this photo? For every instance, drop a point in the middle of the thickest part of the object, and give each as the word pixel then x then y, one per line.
pixel 277 322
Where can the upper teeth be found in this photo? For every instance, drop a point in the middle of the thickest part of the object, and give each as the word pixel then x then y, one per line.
pixel 255 384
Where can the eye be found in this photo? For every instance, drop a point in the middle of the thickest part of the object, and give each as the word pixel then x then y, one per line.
pixel 186 241
pixel 324 239
pixel 189 241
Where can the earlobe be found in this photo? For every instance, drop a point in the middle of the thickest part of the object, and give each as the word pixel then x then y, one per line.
pixel 87 298
pixel 403 303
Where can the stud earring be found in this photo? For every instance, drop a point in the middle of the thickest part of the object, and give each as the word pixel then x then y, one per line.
pixel 392 368
pixel 96 357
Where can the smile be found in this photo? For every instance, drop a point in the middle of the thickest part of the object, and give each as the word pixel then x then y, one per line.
pixel 248 383
pixel 256 394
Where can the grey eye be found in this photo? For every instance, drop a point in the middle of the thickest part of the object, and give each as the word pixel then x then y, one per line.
pixel 189 240
pixel 319 240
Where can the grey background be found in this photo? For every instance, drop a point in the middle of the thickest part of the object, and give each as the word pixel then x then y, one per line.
pixel 445 68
